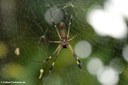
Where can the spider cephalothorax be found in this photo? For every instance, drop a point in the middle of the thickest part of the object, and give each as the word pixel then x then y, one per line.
pixel 64 41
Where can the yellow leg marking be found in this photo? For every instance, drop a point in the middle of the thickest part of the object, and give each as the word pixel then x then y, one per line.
pixel 53 63
pixel 76 58
pixel 78 62
pixel 53 53
pixel 41 73
pixel 54 60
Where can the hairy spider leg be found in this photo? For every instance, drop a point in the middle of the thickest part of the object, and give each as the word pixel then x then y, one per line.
pixel 75 56
pixel 72 38
pixel 53 22
pixel 53 63
pixel 53 53
pixel 54 41
pixel 69 24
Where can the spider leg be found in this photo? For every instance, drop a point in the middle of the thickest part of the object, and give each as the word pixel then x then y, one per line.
pixel 69 24
pixel 41 73
pixel 53 22
pixel 53 63
pixel 54 41
pixel 56 29
pixel 53 53
pixel 43 36
pixel 75 56
pixel 72 38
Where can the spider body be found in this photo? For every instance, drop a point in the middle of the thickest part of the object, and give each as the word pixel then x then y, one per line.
pixel 64 40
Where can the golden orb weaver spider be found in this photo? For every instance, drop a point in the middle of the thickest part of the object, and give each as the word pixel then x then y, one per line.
pixel 63 42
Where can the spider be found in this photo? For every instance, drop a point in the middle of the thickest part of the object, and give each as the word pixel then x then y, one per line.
pixel 63 42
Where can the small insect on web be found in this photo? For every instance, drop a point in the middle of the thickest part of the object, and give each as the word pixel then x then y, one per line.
pixel 63 42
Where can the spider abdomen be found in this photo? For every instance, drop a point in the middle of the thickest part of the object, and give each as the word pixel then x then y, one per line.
pixel 64 43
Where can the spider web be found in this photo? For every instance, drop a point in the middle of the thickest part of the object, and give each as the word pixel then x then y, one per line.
pixel 22 23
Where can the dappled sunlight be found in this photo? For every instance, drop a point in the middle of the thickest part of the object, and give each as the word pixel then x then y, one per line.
pixel 94 65
pixel 120 7
pixel 83 49
pixel 13 70
pixel 61 42
pixel 55 13
pixel 125 53
pixel 118 65
pixel 107 21
pixel 108 76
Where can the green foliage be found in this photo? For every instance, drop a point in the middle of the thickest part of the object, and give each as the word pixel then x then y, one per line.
pixel 28 33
